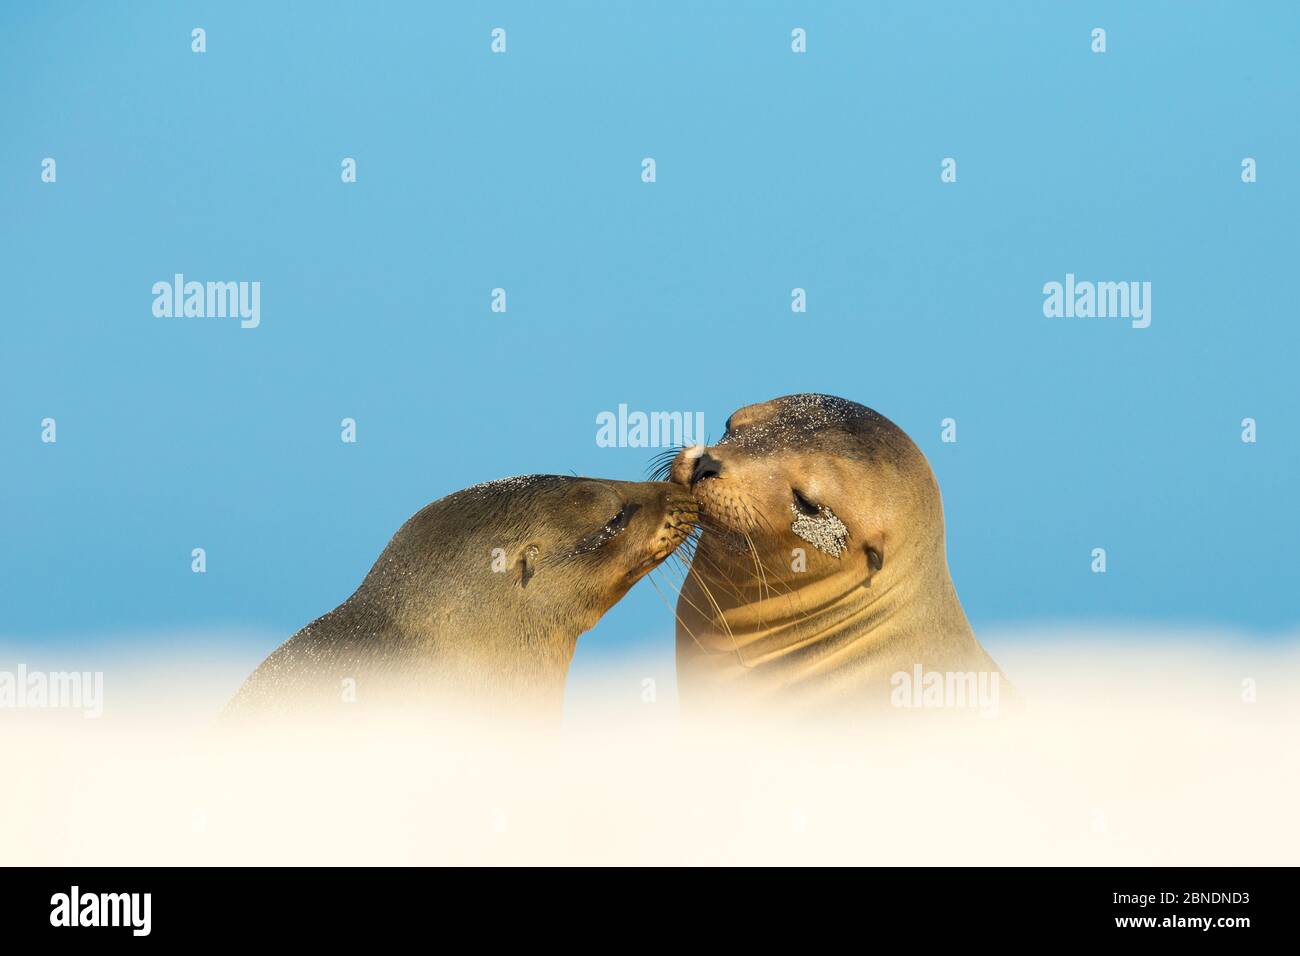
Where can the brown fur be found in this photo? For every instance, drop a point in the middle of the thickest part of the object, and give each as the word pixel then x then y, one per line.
pixel 434 624
pixel 826 639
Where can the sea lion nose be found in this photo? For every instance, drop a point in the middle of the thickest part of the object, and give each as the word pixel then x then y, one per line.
pixel 684 465
pixel 706 466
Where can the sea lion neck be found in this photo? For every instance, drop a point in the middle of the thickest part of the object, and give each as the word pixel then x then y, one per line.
pixel 735 606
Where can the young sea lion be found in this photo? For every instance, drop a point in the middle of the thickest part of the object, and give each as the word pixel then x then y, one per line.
pixel 479 598
pixel 821 570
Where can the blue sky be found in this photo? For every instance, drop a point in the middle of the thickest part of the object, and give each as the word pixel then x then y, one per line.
pixel 522 171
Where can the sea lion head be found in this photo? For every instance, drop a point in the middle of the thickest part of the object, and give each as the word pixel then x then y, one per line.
pixel 817 476
pixel 569 548
pixel 820 573
pixel 479 598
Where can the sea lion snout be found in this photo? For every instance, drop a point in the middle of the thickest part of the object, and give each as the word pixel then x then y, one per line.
pixel 683 467
pixel 667 520
pixel 693 465
pixel 706 466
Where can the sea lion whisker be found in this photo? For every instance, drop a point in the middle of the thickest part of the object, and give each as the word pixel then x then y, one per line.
pixel 763 592
pixel 762 570
pixel 733 589
pixel 676 616
pixel 660 465
pixel 723 534
pixel 720 618
pixel 766 591
pixel 687 570
pixel 692 551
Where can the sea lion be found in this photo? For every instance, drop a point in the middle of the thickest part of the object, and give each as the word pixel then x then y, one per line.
pixel 820 572
pixel 479 598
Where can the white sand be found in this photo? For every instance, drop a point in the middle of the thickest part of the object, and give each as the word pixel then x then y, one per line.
pixel 1121 754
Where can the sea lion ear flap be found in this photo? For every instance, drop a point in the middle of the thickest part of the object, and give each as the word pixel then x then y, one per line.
pixel 527 565
pixel 875 554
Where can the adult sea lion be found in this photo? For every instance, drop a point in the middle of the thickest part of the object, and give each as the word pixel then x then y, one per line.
pixel 821 570
pixel 479 598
